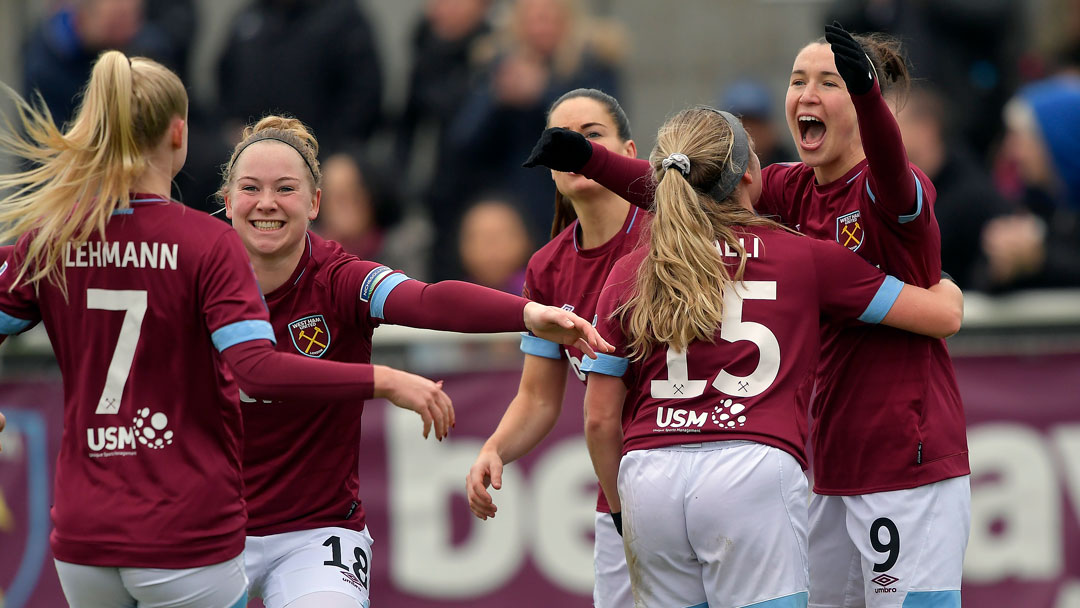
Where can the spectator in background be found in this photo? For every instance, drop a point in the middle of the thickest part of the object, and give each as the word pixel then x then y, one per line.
pixel 542 49
pixel 750 100
pixel 494 245
pixel 1040 246
pixel 312 58
pixel 966 198
pixel 60 52
pixel 362 210
pixel 970 48
pixel 176 21
pixel 439 79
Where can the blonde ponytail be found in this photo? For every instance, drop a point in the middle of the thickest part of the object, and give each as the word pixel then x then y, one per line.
pixel 678 296
pixel 78 178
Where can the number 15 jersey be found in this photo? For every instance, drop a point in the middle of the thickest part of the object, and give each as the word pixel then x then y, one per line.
pixel 148 473
pixel 754 382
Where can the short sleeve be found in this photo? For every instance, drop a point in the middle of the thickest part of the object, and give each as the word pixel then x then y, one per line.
pixel 616 289
pixel 232 305
pixel 849 287
pixel 530 344
pixel 19 308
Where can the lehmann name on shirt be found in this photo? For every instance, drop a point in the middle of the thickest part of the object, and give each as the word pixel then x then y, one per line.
pixel 157 256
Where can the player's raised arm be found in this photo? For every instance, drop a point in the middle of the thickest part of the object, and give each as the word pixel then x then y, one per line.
pixel 566 150
pixel 892 183
pixel 3 423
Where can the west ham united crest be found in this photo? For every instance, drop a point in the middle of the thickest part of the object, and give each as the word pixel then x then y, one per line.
pixel 849 230
pixel 310 335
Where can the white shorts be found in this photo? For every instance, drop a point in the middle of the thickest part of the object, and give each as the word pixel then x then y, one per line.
pixel 218 586
pixel 611 582
pixel 285 567
pixel 720 524
pixel 878 550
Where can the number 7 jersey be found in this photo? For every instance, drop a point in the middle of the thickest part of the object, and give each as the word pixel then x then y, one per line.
pixel 754 382
pixel 148 473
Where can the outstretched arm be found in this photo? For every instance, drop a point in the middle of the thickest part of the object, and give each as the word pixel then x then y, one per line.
pixel 266 374
pixel 892 183
pixel 565 150
pixel 464 307
pixel 529 418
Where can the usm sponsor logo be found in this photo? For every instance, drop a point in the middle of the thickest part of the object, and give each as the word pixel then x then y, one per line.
pixel 149 431
pixel 675 418
pixel 110 439
pixel 884 583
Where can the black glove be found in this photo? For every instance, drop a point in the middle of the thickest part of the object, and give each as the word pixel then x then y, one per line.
pixel 617 518
pixel 560 149
pixel 851 60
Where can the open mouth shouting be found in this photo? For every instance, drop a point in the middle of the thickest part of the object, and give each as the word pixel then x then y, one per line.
pixel 811 131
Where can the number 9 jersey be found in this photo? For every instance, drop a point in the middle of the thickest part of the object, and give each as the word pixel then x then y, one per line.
pixel 148 473
pixel 754 382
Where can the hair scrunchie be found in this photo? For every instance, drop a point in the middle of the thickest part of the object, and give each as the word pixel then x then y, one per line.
pixel 680 161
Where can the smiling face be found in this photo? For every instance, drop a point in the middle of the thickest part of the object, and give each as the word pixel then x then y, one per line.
pixel 593 120
pixel 820 114
pixel 271 200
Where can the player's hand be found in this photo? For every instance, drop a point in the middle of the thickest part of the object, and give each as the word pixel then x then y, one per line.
pixel 3 422
pixel 564 327
pixel 485 472
pixel 851 60
pixel 418 394
pixel 560 149
pixel 616 518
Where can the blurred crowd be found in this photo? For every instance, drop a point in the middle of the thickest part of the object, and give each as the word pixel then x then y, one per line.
pixel 994 119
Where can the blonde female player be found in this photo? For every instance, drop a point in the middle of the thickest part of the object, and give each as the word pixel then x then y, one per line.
pixel 716 327
pixel 890 513
pixel 324 303
pixel 593 228
pixel 144 301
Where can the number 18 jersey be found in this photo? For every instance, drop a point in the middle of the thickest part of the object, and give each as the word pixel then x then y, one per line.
pixel 753 382
pixel 148 473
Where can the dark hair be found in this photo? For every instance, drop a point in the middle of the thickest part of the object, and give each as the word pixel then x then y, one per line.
pixel 564 211
pixel 386 198
pixel 890 64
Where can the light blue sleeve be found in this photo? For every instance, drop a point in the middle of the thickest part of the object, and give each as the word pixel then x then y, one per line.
pixel 607 365
pixel 883 300
pixel 539 347
pixel 242 331
pixel 382 291
pixel 12 325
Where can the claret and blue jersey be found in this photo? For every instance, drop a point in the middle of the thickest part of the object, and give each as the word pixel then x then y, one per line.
pixel 327 309
pixel 149 412
pixel 563 274
pixel 750 384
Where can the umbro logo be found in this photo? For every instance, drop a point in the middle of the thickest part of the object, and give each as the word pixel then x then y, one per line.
pixel 884 580
pixel 883 583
